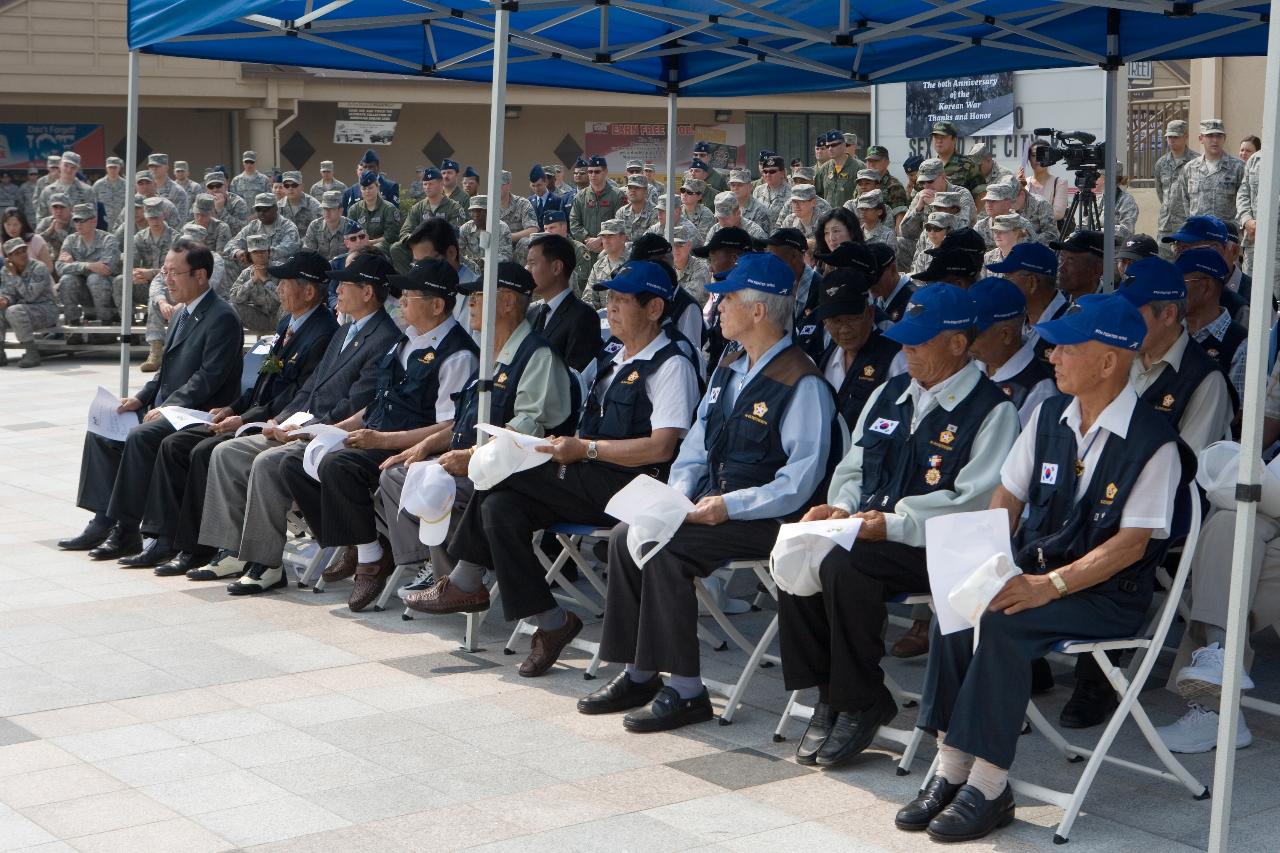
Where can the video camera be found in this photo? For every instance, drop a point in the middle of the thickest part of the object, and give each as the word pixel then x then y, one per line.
pixel 1078 149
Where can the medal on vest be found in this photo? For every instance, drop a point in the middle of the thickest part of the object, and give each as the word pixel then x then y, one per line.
pixel 428 358
pixel 933 476
pixel 1166 404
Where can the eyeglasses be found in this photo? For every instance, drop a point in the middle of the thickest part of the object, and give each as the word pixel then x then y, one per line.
pixel 290 186
pixel 172 273
pixel 595 171
pixel 770 171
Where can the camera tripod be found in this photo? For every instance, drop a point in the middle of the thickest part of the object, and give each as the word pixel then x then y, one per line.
pixel 1083 212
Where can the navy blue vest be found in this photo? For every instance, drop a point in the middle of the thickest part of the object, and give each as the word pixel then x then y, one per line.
pixel 1043 347
pixel 897 463
pixel 870 368
pixel 893 311
pixel 808 333
pixel 1059 529
pixel 1172 390
pixel 502 399
pixel 406 397
pixel 1223 349
pixel 1018 386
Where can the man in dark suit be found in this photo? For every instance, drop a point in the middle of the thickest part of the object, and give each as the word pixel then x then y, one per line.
pixel 175 504
pixel 246 502
pixel 541 197
pixel 562 318
pixel 200 370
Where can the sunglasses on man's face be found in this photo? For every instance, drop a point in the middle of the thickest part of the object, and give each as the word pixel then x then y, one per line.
pixel 771 171
pixel 290 186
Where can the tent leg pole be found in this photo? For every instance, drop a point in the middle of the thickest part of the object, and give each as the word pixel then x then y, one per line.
pixel 672 128
pixel 126 266
pixel 497 128
pixel 1109 190
pixel 1250 455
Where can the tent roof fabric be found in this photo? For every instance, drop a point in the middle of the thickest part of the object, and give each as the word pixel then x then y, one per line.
pixel 699 48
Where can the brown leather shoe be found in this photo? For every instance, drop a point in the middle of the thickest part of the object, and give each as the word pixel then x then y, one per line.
pixel 344 567
pixel 547 645
pixel 444 597
pixel 371 578
pixel 915 642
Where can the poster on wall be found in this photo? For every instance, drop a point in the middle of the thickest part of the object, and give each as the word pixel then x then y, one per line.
pixel 366 124
pixel 623 141
pixel 26 145
pixel 981 105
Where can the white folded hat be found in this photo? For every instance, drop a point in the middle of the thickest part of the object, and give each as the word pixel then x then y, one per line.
pixel 1216 474
pixel 502 456
pixel 428 493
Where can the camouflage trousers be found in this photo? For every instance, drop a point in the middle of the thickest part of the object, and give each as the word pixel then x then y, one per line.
pixel 26 320
pixel 98 294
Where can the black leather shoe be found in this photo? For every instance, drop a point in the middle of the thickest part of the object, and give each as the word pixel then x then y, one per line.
pixel 668 711
pixel 853 731
pixel 1091 704
pixel 971 816
pixel 93 535
pixel 183 562
pixel 916 815
pixel 620 694
pixel 1041 677
pixel 816 734
pixel 121 543
pixel 153 555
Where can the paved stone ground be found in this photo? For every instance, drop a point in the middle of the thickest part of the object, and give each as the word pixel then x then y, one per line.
pixel 139 713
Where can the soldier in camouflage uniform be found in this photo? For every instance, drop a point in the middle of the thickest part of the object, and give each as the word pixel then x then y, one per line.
pixel 146 187
pixel 250 183
pixel 517 211
pixel 1036 210
pixel 413 189
pixel 834 180
pixel 449 175
pixel 10 193
pixel 593 204
pixel 282 235
pixel 960 170
pixel 613 255
pixel 991 171
pixel 931 180
pixel 753 210
pixel 803 176
pixel 804 210
pixel 1008 229
pixel 692 192
pixel 774 189
pixel 139 221
pixel 469 247
pixel 999 202
pixel 557 222
pixel 296 206
pixel 659 226
pixel 715 180
pixel 27 304
pixel 112 191
pixel 327 181
pixel 434 205
pixel 88 260
pixel 639 213
pixel 874 216
pixel 76 190
pixel 1171 217
pixel 895 194
pixel 150 245
pixel 227 206
pixel 1207 185
pixel 635 169
pixel 53 167
pixel 324 235
pixel 56 227
pixel 1247 209
pixel 253 294
pixel 166 187
pixel 217 234
pixel 29 193
pixel 728 214
pixel 935 229
pixel 380 218
pixel 692 273
pixel 182 177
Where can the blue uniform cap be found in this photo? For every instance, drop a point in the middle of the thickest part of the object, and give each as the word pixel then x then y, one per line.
pixel 554 216
pixel 580 163
pixel 640 277
pixel 834 136
pixel 761 271
pixel 1032 257
pixel 352 227
pixel 469 172
pixel 449 164
pixel 370 156
pixel 702 148
pixel 1198 228
pixel 933 310
pixel 431 173
pixel 536 174
pixel 368 179
pixel 1107 318
pixel 996 300
pixel 598 162
pixel 699 163
pixel 820 141
pixel 1152 280
pixel 1205 260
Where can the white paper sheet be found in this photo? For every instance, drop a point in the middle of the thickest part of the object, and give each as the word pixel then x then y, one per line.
pixel 324 438
pixel 297 419
pixel 180 417
pixel 955 546
pixel 105 421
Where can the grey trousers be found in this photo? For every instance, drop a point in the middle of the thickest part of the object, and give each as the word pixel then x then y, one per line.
pixel 246 503
pixel 401 529
pixel 78 292
pixel 26 320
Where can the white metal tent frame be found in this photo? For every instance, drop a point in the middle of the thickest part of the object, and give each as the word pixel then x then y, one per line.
pixel 779 41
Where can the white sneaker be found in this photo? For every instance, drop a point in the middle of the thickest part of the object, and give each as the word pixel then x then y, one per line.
pixel 1197 731
pixel 425 580
pixel 1203 676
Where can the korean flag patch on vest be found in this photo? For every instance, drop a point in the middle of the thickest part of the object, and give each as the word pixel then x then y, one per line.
pixel 1049 473
pixel 884 425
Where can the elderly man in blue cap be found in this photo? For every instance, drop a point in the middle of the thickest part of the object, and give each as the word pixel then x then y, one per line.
pixel 1205 273
pixel 757 453
pixel 1008 360
pixel 1033 267
pixel 1100 473
pixel 929 442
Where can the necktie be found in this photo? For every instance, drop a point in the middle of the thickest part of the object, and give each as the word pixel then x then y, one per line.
pixel 288 336
pixel 540 321
pixel 351 333
pixel 178 325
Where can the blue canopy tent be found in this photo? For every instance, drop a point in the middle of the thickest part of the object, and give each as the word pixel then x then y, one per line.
pixel 710 48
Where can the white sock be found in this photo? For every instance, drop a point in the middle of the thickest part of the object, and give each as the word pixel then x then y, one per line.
pixel 988 778
pixel 370 553
pixel 953 765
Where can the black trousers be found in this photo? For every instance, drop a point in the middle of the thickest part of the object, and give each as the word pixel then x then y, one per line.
pixel 498 526
pixel 651 615
pixel 115 476
pixel 175 502
pixel 979 697
pixel 339 509
pixel 836 637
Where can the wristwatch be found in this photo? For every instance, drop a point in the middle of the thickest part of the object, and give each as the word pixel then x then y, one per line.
pixel 1059 584
pixel 592 448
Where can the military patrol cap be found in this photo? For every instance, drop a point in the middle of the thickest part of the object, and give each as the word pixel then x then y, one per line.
pixel 877 152
pixel 726 203
pixel 71 157
pixel 1152 280
pixel 352 227
pixel 763 271
pixel 557 168
pixel 871 199
pixel 295 177
pixel 661 203
pixel 214 178
pixel 505 177
pixel 195 231
pixel 648 166
pixel 139 200
pixel 803 192
pixel 257 243
pixel 773 161
pixel 726 238
pixel 432 276
pixel 702 148
pixel 598 162
pixel 305 265
pixel 637 181
pixel 1107 318
pixel 1081 240
pixel 851 139
pixel 53 160
pixel 431 173
pixel 331 199
pixel 203 203
pixel 142 176
pixel 579 163
pixel 446 163
pixel 368 179
pixel 868 175
pixel 511 275
pixel 739 176
pixel 635 164
pixel 693 185
pixel 946 199
pixel 944 128
pixel 648 247
pixel 326 165
pixel 1212 125
pixel 792 238
pixel 931 168
pixel 844 292
pixel 554 216
pixel 158 160
pixel 1205 260
pixel 262 201
pixel 1009 222
pixel 683 232
pixel 996 300
pixel 115 161
pixel 911 165
pixel 1177 127
pixel 699 163
pixel 932 311
pixel 181 166
pixel 1200 228
pixel 1031 257
pixel 849 255
pixel 1001 191
pixel 639 276
pixel 537 173
pixel 981 151
pixel 370 157
pixel 479 202
pixel 249 157
pixel 59 200
pixel 82 212
pixel 13 244
pixel 1137 247
pixel 32 170
pixel 613 226
pixel 940 219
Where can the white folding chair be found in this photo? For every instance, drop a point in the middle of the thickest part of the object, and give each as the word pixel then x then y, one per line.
pixel 909 739
pixel 757 653
pixel 305 560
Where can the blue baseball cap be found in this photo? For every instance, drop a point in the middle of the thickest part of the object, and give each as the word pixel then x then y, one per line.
pixel 554 216
pixel 1152 280
pixel 368 179
pixel 640 277
pixel 468 172
pixel 996 300
pixel 536 174
pixel 1106 318
pixel 431 173
pixel 933 310
pixel 446 163
pixel 1198 228
pixel 597 162
pixel 1032 257
pixel 761 271
pixel 699 163
pixel 1205 260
